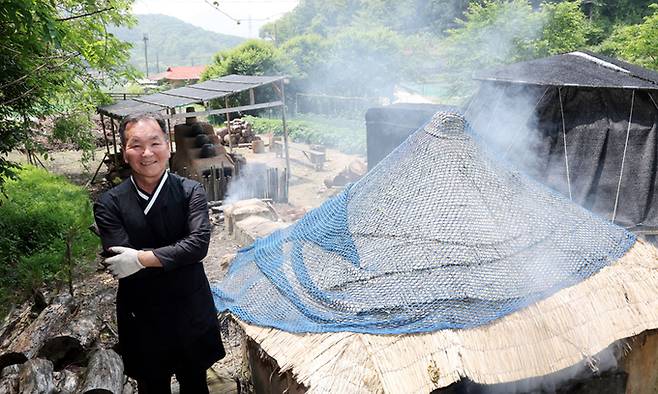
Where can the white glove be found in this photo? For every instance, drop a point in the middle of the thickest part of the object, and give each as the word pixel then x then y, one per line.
pixel 125 263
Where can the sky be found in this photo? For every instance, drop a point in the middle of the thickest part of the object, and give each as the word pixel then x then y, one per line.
pixel 252 14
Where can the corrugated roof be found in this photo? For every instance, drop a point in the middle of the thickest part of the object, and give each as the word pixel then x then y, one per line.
pixel 581 68
pixel 197 93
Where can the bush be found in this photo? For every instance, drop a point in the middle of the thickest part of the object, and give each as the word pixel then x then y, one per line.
pixel 44 233
pixel 346 136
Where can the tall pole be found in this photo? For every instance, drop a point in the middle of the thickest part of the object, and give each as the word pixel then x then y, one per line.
pixel 285 138
pixel 146 54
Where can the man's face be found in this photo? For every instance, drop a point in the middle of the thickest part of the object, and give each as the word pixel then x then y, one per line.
pixel 146 150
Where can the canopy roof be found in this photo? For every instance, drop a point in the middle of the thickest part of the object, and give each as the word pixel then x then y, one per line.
pixel 180 97
pixel 581 68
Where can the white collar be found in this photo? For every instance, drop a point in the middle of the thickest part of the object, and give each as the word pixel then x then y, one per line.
pixel 155 195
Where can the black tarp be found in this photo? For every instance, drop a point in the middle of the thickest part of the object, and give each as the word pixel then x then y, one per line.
pixel 523 123
pixel 388 126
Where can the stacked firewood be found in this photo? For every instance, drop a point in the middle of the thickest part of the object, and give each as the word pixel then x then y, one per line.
pixel 62 346
pixel 239 131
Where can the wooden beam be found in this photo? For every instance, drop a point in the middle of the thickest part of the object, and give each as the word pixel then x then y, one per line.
pixel 271 104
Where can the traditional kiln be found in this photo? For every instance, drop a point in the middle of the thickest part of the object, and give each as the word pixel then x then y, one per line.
pixel 477 270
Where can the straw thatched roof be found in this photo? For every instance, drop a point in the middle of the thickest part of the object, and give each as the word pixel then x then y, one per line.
pixel 568 328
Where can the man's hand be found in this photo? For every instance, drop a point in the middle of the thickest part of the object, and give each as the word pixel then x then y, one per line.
pixel 125 263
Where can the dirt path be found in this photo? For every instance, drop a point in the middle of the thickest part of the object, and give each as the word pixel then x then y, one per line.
pixel 67 163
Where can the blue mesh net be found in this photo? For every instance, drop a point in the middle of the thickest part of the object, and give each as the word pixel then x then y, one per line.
pixel 438 235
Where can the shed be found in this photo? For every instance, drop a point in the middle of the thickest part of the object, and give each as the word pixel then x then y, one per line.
pixel 581 123
pixel 170 103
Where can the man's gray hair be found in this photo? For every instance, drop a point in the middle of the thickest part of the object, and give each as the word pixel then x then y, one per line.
pixel 136 117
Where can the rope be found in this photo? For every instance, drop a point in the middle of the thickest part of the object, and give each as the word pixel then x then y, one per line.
pixel 518 131
pixel 654 103
pixel 564 137
pixel 623 158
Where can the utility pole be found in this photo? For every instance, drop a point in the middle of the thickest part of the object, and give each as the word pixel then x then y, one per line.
pixel 146 54
pixel 157 62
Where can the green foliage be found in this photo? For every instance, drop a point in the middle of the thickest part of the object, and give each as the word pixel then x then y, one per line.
pixel 76 128
pixel 346 136
pixel 51 57
pixel 171 42
pixel 305 55
pixel 445 42
pixel 326 17
pixel 636 43
pixel 500 32
pixel 363 62
pixel 565 29
pixel 253 57
pixel 40 216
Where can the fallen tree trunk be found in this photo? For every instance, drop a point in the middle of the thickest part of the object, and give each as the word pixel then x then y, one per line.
pixel 104 373
pixel 9 380
pixel 69 343
pixel 66 381
pixel 36 377
pixel 23 338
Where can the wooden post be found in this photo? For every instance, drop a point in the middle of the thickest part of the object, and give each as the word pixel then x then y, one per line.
pixel 114 142
pixel 285 141
pixel 107 143
pixel 228 125
pixel 171 111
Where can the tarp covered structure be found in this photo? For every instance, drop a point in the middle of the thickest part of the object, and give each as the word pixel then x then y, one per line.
pixel 582 123
pixel 455 241
pixel 477 265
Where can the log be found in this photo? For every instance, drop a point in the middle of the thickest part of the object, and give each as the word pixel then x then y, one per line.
pixel 128 388
pixel 36 377
pixel 68 343
pixel 25 338
pixel 9 379
pixel 66 381
pixel 104 373
pixel 9 384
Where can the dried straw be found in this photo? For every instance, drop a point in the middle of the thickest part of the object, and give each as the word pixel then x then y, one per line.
pixel 565 329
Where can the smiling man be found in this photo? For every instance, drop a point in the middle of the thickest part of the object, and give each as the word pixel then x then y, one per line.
pixel 155 226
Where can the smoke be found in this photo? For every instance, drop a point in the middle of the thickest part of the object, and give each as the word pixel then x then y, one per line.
pixel 504 116
pixel 254 180
pixel 599 371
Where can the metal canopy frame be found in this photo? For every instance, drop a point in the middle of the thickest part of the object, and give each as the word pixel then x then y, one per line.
pixel 168 101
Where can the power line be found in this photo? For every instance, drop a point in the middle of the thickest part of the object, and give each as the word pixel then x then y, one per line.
pixel 215 5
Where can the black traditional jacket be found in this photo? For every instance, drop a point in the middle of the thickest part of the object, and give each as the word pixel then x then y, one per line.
pixel 166 316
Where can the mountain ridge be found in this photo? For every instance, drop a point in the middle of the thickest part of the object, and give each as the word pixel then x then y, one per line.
pixel 172 42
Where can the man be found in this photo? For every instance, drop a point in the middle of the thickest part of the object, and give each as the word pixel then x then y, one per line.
pixel 155 224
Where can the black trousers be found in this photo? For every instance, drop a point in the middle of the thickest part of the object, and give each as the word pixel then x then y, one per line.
pixel 190 382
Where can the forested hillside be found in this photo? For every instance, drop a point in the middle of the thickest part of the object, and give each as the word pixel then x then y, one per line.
pixel 364 48
pixel 172 42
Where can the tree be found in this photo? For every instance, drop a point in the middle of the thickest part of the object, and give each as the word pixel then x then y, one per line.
pixel 253 57
pixel 636 43
pixel 305 58
pixel 501 32
pixel 362 63
pixel 565 29
pixel 54 58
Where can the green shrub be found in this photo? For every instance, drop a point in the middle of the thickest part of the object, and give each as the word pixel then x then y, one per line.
pixel 344 135
pixel 44 233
